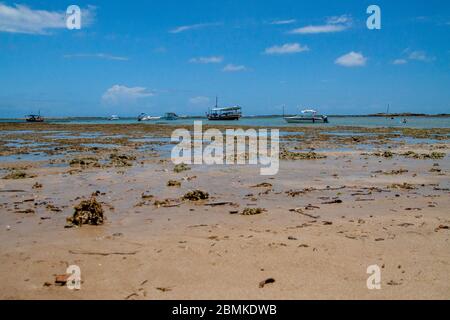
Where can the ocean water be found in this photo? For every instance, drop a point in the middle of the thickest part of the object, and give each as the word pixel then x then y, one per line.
pixel 412 122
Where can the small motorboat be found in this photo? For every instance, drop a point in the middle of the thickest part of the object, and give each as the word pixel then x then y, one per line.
pixel 308 115
pixel 144 117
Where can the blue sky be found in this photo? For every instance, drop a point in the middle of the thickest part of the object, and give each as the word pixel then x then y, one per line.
pixel 158 56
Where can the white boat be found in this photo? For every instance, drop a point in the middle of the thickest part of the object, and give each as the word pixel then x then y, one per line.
pixel 114 117
pixel 308 115
pixel 144 117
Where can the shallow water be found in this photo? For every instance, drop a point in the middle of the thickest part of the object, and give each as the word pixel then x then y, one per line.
pixel 69 136
pixel 18 143
pixel 164 146
pixel 150 139
pixel 100 145
pixel 349 134
pixel 412 122
pixel 35 156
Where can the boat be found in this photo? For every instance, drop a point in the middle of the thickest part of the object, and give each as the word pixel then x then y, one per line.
pixel 144 117
pixel 170 116
pixel 114 117
pixel 308 115
pixel 227 113
pixel 34 118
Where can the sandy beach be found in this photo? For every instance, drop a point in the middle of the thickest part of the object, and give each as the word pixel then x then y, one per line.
pixel 364 196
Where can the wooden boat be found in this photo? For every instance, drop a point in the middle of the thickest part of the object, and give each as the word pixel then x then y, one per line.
pixel 224 114
pixel 34 118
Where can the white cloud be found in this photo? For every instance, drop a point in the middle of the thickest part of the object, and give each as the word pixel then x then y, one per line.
pixel 281 22
pixel 193 27
pixel 352 59
pixel 206 60
pixel 199 101
pixel 410 55
pixel 23 19
pixel 420 56
pixel 319 29
pixel 119 94
pixel 344 19
pixel 96 55
pixel 234 68
pixel 334 24
pixel 287 48
pixel 399 61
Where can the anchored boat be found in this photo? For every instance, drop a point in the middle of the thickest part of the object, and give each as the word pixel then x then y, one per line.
pixel 34 118
pixel 170 116
pixel 227 113
pixel 144 117
pixel 307 116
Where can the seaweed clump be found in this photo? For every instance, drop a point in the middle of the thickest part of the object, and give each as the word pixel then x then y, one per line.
pixel 163 203
pixel 196 195
pixel 173 183
pixel 263 185
pixel 18 175
pixel 395 172
pixel 181 167
pixel 433 155
pixel 37 185
pixel 252 211
pixel 121 160
pixel 289 155
pixel 384 154
pixel 86 162
pixel 404 185
pixel 87 212
pixel 387 154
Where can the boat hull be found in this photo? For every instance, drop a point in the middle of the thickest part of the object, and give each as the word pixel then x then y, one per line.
pixel 306 120
pixel 170 118
pixel 224 117
pixel 149 118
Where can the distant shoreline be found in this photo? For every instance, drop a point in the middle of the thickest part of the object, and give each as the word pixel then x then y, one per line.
pixel 392 115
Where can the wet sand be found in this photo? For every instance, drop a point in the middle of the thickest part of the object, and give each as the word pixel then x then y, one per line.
pixel 325 221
